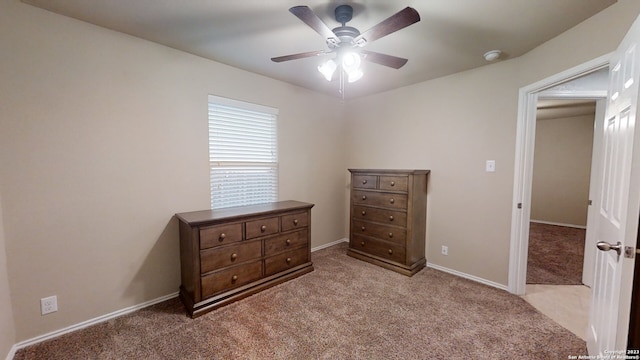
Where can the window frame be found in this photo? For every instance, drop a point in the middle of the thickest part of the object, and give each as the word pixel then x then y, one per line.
pixel 250 180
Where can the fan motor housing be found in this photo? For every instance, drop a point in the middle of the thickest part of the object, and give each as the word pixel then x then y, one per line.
pixel 344 14
pixel 346 34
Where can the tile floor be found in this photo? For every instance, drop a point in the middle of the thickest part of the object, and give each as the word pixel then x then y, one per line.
pixel 568 305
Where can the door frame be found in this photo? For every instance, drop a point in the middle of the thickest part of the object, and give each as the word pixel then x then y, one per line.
pixel 600 99
pixel 523 169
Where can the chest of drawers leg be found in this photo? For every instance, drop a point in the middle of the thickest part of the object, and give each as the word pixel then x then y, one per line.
pixel 228 254
pixel 388 218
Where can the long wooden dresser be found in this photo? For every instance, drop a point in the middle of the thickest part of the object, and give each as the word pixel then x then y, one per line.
pixel 228 254
pixel 388 218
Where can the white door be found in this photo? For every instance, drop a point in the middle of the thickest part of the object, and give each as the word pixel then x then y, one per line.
pixel 618 204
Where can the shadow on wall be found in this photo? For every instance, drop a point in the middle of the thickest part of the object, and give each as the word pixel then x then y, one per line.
pixel 159 274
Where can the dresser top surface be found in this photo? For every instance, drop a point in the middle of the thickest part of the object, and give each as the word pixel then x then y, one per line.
pixel 226 214
pixel 388 171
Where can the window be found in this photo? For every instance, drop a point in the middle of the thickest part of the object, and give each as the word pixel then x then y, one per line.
pixel 243 159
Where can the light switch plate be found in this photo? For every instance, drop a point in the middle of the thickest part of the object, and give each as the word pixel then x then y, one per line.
pixel 491 166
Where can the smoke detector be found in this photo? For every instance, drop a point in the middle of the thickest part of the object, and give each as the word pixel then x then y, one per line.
pixel 492 55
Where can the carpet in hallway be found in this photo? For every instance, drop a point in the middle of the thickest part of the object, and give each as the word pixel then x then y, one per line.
pixel 556 255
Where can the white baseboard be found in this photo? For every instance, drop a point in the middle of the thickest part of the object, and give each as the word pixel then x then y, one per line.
pixel 558 224
pixel 12 352
pixel 87 323
pixel 467 276
pixel 329 244
pixel 436 267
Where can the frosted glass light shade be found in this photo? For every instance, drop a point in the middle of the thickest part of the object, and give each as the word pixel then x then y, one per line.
pixel 354 75
pixel 327 69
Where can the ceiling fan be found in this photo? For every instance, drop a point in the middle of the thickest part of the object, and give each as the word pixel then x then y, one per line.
pixel 347 42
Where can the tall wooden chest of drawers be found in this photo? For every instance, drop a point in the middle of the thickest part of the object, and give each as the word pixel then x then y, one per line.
pixel 228 254
pixel 388 218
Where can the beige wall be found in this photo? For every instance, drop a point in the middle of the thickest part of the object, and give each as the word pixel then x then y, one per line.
pixel 561 170
pixel 104 138
pixel 7 325
pixel 452 125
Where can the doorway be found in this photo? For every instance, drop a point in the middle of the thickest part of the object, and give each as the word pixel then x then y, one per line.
pixel 563 155
pixel 564 149
pixel 587 82
pixel 561 86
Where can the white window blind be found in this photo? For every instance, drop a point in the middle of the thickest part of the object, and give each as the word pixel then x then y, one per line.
pixel 243 153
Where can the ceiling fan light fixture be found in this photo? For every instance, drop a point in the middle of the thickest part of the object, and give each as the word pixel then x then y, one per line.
pixel 327 69
pixel 344 40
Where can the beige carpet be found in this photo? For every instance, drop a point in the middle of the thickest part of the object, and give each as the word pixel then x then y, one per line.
pixel 345 309
pixel 556 255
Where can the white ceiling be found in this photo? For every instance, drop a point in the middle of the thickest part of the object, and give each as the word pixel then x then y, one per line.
pixel 451 37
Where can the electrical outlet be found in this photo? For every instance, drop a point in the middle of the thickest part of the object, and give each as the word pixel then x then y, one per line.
pixel 48 305
pixel 445 250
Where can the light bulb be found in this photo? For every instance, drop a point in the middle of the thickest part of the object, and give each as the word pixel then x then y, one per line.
pixel 350 61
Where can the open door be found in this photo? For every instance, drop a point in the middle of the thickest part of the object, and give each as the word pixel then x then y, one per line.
pixel 618 203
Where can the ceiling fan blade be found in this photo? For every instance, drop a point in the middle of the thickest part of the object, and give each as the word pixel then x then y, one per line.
pixel 299 56
pixel 395 22
pixel 384 59
pixel 307 16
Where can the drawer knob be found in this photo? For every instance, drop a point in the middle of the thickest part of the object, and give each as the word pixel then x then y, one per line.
pixel 222 237
pixel 391 235
pixel 263 228
pixel 364 181
pixel 393 183
pixel 363 228
pixel 390 252
pixel 288 260
pixel 364 213
pixel 391 218
pixel 362 243
pixel 234 278
pixel 364 197
pixel 288 242
pixel 295 221
pixel 234 256
pixel 392 200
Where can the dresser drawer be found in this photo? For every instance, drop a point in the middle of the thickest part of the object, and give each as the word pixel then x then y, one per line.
pixel 395 183
pixel 388 200
pixel 365 181
pixel 383 249
pixel 219 257
pixel 295 221
pixel 285 242
pixel 261 227
pixel 220 235
pixel 230 278
pixel 284 261
pixel 390 217
pixel 384 232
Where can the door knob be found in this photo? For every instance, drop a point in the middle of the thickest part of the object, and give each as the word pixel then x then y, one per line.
pixel 605 246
